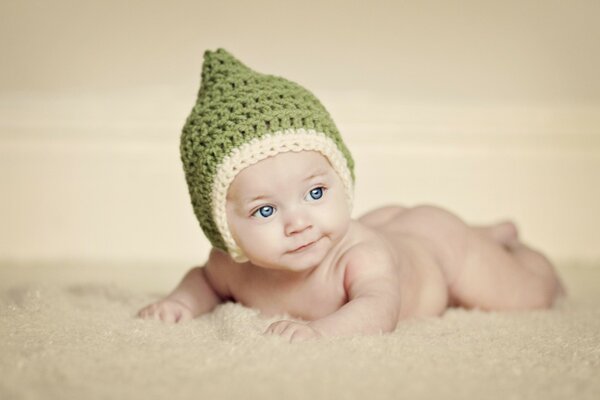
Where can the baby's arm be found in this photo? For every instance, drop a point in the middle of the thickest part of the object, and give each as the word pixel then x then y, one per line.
pixel 371 282
pixel 193 296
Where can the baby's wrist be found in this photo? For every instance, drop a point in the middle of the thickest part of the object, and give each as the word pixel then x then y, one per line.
pixel 316 329
pixel 180 302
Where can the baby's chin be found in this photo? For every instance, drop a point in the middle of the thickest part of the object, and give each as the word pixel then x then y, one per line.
pixel 288 265
pixel 291 262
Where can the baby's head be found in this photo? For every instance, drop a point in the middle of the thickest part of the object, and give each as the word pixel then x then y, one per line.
pixel 248 127
pixel 288 210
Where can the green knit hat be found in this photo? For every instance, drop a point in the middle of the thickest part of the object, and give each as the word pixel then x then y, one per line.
pixel 242 117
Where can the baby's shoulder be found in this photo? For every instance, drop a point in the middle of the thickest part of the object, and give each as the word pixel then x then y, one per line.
pixel 369 261
pixel 219 269
pixel 368 246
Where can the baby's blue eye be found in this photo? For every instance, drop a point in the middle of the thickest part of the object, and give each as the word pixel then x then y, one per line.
pixel 264 211
pixel 316 193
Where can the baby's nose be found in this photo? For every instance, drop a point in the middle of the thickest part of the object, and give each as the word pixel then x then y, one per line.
pixel 296 223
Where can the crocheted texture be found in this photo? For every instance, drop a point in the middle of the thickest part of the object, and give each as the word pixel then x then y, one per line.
pixel 235 106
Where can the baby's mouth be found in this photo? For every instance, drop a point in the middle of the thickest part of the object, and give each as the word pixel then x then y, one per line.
pixel 303 247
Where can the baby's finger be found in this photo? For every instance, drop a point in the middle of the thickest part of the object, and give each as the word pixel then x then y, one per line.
pixel 184 315
pixel 298 336
pixel 302 335
pixel 288 330
pixel 270 329
pixel 287 334
pixel 144 313
pixel 276 328
pixel 151 310
pixel 167 316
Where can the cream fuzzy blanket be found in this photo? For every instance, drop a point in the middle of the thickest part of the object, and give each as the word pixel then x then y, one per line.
pixel 68 332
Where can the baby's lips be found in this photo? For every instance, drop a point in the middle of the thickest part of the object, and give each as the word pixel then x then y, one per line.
pixel 304 246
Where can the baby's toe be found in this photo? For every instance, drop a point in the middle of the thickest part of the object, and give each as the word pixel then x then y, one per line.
pixel 505 233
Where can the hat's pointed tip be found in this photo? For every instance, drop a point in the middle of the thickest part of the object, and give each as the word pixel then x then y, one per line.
pixel 220 60
pixel 220 54
pixel 211 53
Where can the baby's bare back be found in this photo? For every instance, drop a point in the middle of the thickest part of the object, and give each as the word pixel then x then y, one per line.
pixel 429 244
pixel 483 267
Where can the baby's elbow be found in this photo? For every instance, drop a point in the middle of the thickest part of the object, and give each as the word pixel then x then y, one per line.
pixel 387 320
pixel 381 325
pixel 390 326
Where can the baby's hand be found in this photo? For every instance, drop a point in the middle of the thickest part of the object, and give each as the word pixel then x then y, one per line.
pixel 292 331
pixel 167 310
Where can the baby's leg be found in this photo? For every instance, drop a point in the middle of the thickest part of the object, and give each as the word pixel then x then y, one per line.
pixel 504 277
pixel 538 264
pixel 506 234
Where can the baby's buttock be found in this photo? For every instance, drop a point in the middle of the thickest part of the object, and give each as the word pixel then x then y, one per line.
pixel 434 245
pixel 438 232
pixel 424 289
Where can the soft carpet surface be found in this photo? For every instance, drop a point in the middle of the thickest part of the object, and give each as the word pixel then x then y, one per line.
pixel 68 332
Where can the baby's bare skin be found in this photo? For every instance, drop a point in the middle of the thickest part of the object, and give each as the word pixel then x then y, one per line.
pixel 392 263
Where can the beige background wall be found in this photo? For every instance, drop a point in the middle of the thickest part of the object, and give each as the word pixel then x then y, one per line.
pixel 491 109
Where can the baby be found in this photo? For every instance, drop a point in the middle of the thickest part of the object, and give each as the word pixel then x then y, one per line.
pixel 271 183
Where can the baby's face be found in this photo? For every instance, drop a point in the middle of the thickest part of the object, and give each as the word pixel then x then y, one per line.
pixel 288 211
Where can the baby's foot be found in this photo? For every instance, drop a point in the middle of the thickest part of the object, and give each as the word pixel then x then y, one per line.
pixel 505 233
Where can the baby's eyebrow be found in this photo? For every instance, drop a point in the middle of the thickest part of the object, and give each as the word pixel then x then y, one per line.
pixel 249 200
pixel 315 174
pixel 256 198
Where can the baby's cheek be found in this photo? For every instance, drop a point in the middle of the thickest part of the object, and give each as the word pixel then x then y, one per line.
pixel 244 236
pixel 263 240
pixel 336 218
